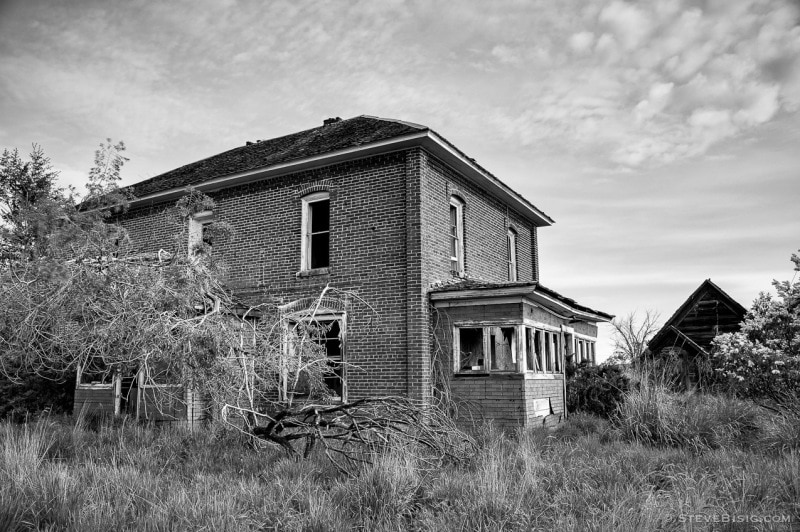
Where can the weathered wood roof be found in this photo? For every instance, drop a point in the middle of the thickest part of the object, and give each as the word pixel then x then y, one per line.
pixel 709 311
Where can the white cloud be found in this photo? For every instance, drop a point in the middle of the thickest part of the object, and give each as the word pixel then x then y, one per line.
pixel 582 42
pixel 622 83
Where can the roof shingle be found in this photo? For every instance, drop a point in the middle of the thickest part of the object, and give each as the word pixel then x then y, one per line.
pixel 327 138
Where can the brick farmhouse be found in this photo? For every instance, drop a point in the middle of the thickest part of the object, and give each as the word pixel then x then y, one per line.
pixel 442 250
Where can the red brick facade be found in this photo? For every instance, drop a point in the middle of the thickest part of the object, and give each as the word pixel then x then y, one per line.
pixel 389 244
pixel 389 232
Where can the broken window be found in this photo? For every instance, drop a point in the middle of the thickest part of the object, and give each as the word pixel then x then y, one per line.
pixel 317 338
pixel 511 253
pixel 471 356
pixel 503 350
pixel 96 372
pixel 548 351
pixel 584 351
pixel 531 349
pixel 316 231
pixel 201 238
pixel 544 350
pixel 456 236
pixel 485 349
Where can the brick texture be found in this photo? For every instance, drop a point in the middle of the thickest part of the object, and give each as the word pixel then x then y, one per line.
pixel 389 244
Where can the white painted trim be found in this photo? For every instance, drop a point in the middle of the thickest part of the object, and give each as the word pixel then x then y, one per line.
pixel 528 292
pixel 477 301
pixel 539 325
pixel 511 250
pixel 459 258
pixel 532 376
pixel 305 229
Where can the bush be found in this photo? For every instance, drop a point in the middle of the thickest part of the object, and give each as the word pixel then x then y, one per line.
pixel 596 389
pixel 34 395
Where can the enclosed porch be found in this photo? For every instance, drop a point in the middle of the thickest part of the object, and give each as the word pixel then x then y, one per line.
pixel 506 347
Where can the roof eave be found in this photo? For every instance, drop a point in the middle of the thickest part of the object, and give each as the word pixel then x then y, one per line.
pixel 529 292
pixel 426 139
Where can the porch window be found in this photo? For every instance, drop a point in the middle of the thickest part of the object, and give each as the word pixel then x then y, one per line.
pixel 584 351
pixel 485 349
pixel 470 350
pixel 456 236
pixel 95 372
pixel 316 220
pixel 544 349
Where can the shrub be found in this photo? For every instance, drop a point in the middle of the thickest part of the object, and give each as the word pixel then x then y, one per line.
pixel 35 394
pixel 596 389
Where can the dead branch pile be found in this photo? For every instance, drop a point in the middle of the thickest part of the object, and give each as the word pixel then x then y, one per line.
pixel 351 434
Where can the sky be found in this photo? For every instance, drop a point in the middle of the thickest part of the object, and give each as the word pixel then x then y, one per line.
pixel 662 136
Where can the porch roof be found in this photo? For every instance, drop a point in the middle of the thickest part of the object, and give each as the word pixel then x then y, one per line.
pixel 479 290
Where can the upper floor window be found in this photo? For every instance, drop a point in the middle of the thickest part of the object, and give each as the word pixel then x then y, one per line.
pixel 456 236
pixel 315 251
pixel 200 234
pixel 511 252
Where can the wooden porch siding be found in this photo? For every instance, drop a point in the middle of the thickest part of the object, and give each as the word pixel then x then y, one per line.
pixel 509 401
pixel 94 399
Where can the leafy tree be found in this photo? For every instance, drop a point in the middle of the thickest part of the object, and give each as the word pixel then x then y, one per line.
pixel 762 361
pixel 105 175
pixel 29 203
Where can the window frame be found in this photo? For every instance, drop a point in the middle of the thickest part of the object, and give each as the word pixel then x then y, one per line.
pixel 585 350
pixel 306 234
pixel 548 349
pixel 487 333
pixel 321 318
pixel 457 204
pixel 198 222
pixel 511 254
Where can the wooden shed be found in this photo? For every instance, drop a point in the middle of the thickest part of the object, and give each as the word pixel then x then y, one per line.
pixel 688 333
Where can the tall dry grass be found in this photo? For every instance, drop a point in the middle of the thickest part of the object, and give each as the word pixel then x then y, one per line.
pixel 589 474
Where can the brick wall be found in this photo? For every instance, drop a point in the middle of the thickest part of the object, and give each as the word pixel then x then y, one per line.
pixel 486 223
pixel 371 201
pixel 389 243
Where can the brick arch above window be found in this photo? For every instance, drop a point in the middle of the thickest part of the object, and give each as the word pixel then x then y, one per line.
pixel 324 185
pixel 307 305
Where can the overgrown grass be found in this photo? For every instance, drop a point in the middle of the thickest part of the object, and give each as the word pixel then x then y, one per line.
pixel 589 474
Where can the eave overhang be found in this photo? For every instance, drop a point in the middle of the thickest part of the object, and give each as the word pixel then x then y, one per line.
pixel 530 293
pixel 427 139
